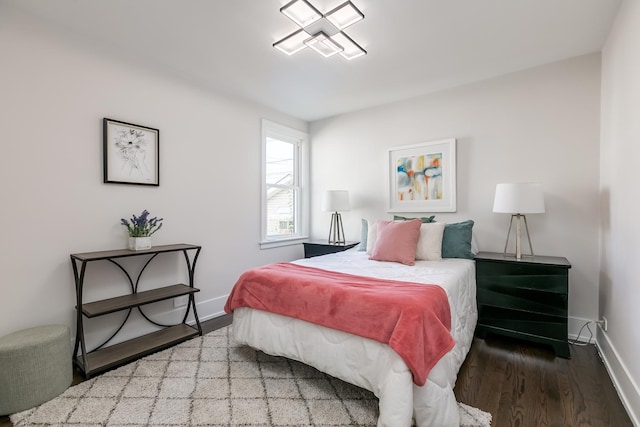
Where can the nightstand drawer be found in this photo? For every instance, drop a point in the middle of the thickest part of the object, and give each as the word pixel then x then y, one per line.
pixel 542 283
pixel 554 327
pixel 522 267
pixel 526 300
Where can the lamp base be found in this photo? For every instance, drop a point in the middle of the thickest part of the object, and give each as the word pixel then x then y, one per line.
pixel 336 232
pixel 519 220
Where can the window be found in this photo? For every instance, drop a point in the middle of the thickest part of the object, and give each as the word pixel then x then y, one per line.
pixel 284 180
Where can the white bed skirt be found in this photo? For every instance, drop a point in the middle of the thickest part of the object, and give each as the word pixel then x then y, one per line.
pixel 366 363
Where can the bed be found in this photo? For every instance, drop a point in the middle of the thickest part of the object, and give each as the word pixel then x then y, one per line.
pixel 368 363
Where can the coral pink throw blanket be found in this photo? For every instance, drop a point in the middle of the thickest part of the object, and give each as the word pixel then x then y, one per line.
pixel 413 319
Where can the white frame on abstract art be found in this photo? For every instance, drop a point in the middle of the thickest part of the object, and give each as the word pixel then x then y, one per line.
pixel 437 194
pixel 131 153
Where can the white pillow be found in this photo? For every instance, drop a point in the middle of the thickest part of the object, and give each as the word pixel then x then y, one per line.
pixel 372 233
pixel 474 243
pixel 430 241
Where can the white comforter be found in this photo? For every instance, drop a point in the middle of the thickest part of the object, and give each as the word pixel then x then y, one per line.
pixel 370 364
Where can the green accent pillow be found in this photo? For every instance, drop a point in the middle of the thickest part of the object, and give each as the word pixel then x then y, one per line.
pixel 456 240
pixel 425 219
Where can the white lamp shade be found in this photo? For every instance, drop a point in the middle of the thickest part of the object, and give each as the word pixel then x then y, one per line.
pixel 519 198
pixel 335 201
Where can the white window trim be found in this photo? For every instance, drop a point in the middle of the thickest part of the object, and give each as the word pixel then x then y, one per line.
pixel 270 128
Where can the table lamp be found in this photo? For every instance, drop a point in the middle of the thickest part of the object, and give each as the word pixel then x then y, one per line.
pixel 336 201
pixel 519 199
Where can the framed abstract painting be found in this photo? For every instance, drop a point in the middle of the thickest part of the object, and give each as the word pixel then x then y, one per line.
pixel 422 177
pixel 131 153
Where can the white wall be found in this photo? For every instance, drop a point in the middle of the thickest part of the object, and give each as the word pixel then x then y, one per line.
pixel 537 125
pixel 620 206
pixel 55 89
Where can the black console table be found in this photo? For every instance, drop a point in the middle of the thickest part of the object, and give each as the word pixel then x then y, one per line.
pixel 105 357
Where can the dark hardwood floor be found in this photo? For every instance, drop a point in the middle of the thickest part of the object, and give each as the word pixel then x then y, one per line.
pixel 524 385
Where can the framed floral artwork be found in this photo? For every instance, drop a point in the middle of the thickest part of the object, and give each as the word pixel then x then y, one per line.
pixel 131 153
pixel 422 177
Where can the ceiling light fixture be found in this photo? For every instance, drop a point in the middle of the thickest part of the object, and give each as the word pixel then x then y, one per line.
pixel 293 43
pixel 301 12
pixel 323 44
pixel 322 33
pixel 351 49
pixel 344 15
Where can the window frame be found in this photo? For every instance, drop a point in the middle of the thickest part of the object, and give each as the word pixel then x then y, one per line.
pixel 301 171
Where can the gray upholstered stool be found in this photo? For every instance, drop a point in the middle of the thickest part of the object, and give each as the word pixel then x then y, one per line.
pixel 35 366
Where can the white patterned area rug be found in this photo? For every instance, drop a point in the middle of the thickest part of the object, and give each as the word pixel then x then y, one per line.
pixel 213 381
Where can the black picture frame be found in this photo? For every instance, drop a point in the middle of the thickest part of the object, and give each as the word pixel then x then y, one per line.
pixel 131 153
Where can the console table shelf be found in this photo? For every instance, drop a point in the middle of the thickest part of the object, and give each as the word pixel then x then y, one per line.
pixel 124 352
pixel 105 357
pixel 111 305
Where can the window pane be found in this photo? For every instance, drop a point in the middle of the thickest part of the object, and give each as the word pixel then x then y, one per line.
pixel 279 167
pixel 284 201
pixel 280 211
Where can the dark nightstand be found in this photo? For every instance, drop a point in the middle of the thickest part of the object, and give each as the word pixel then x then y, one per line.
pixel 524 298
pixel 322 247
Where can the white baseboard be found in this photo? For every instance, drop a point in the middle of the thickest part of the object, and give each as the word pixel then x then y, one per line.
pixel 624 384
pixel 208 310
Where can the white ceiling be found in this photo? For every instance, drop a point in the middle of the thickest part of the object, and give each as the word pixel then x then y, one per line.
pixel 414 46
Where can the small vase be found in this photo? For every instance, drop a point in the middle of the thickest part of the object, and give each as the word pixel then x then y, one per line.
pixel 139 243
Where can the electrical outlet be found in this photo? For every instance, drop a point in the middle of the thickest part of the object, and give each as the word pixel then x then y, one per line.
pixel 602 323
pixel 180 301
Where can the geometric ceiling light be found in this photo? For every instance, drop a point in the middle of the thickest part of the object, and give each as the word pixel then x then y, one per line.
pixel 293 43
pixel 324 45
pixel 322 33
pixel 301 12
pixel 344 15
pixel 351 49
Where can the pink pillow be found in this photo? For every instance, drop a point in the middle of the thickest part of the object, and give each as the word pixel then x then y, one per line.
pixel 396 241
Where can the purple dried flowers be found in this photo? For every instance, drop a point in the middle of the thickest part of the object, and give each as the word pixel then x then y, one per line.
pixel 142 226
